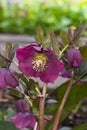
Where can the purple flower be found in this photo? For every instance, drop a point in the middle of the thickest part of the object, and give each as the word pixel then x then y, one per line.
pixel 22 120
pixel 36 61
pixel 7 78
pixel 22 105
pixel 74 58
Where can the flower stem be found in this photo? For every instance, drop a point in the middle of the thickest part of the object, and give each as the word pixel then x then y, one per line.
pixel 41 108
pixel 59 112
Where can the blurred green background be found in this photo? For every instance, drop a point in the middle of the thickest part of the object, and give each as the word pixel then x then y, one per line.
pixel 23 16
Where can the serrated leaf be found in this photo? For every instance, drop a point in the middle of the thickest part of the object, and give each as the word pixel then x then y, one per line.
pixel 83 51
pixel 7 125
pixel 39 35
pixel 81 127
pixel 16 93
pixel 64 37
pixel 55 44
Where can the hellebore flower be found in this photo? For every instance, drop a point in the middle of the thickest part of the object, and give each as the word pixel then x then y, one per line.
pixel 7 78
pixel 24 118
pixel 36 61
pixel 74 58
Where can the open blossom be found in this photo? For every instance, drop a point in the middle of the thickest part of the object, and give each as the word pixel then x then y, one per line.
pixel 24 118
pixel 36 61
pixel 74 58
pixel 7 78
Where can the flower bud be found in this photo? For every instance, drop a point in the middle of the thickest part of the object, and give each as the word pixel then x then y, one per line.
pixel 74 58
pixel 22 105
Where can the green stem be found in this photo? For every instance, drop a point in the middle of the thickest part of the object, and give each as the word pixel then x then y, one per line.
pixel 59 112
pixel 41 108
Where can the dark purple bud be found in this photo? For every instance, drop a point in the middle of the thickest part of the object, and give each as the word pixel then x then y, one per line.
pixel 74 58
pixel 8 78
pixel 22 105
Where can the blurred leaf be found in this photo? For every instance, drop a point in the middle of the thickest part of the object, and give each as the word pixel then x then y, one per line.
pixel 79 32
pixel 16 93
pixel 64 37
pixel 23 78
pixel 47 42
pixel 3 61
pixel 81 127
pixel 14 47
pixel 35 106
pixel 32 86
pixel 70 33
pixel 77 94
pixel 83 51
pixel 82 69
pixel 8 49
pixel 55 43
pixel 6 125
pixel 40 35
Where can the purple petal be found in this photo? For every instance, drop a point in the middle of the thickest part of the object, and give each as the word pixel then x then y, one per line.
pixel 22 120
pixel 22 105
pixel 25 57
pixel 11 79
pixel 52 71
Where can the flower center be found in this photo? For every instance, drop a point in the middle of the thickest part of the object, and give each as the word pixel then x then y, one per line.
pixel 39 62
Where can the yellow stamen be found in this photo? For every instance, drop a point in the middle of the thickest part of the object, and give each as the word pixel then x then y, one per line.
pixel 39 62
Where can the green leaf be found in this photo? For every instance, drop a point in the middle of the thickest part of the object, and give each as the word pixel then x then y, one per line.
pixel 47 42
pixel 77 94
pixel 16 93
pixel 64 37
pixel 81 127
pixel 40 35
pixel 55 44
pixel 70 34
pixel 6 125
pixel 79 32
pixel 83 51
pixel 23 78
pixel 8 49
pixel 3 61
pixel 82 72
